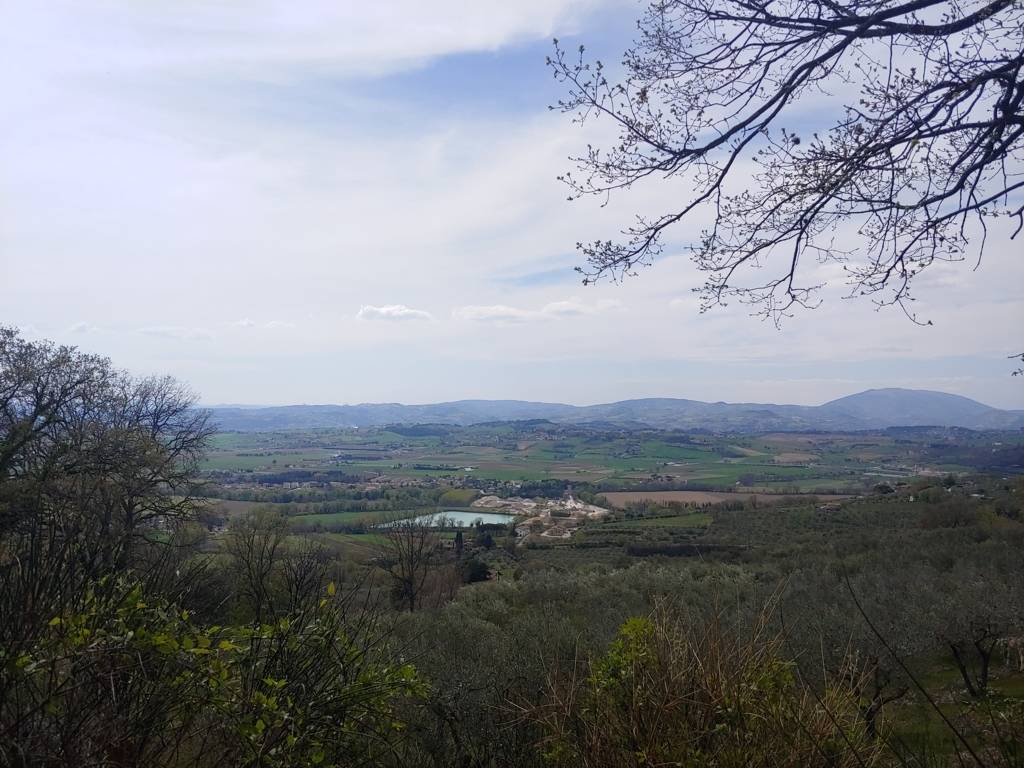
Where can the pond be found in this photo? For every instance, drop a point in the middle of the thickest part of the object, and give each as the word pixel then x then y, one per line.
pixel 464 518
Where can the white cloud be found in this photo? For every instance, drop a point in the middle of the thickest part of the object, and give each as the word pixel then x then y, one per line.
pixel 689 303
pixel 176 332
pixel 494 313
pixel 270 325
pixel 268 37
pixel 574 307
pixel 501 313
pixel 391 312
pixel 82 327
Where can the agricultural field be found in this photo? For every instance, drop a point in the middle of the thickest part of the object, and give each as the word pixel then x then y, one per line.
pixel 700 498
pixel 347 482
pixel 527 452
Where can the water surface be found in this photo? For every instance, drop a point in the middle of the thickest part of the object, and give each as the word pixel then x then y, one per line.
pixel 462 518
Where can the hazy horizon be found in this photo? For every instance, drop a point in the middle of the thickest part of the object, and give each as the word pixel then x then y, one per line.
pixel 323 205
pixel 546 402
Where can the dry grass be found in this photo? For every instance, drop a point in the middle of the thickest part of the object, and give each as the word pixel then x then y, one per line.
pixel 795 457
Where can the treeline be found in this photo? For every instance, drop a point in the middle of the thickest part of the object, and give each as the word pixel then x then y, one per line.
pixel 355 499
pixel 285 476
pixel 987 457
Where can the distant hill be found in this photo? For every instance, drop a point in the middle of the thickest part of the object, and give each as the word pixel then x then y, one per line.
pixel 918 407
pixel 872 409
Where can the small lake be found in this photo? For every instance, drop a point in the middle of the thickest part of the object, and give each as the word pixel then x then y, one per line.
pixel 464 519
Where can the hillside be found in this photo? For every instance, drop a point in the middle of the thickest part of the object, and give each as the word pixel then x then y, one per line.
pixel 871 409
pixel 917 407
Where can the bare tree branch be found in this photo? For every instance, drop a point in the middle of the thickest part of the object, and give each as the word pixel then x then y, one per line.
pixel 926 151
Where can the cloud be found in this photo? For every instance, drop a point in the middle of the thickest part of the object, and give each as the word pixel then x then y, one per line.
pixel 270 325
pixel 82 327
pixel 532 278
pixel 500 313
pixel 495 313
pixel 391 312
pixel 277 37
pixel 176 332
pixel 688 303
pixel 574 308
pixel 259 153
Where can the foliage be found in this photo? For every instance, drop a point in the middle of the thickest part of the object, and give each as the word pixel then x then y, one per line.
pixel 668 692
pixel 473 570
pixel 130 680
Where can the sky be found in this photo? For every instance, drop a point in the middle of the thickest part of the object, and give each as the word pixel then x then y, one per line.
pixel 337 202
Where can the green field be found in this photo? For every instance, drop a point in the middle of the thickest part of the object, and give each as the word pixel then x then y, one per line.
pixel 510 454
pixel 267 460
pixel 331 518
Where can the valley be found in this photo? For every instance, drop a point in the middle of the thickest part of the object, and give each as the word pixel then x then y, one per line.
pixel 348 481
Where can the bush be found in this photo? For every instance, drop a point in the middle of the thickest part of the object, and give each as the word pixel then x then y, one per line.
pixel 668 693
pixel 473 570
pixel 123 679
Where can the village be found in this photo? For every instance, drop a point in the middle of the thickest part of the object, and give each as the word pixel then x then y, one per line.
pixel 548 518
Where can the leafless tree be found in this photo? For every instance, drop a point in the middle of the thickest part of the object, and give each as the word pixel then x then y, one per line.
pixel 304 572
pixel 925 147
pixel 410 554
pixel 1018 371
pixel 254 543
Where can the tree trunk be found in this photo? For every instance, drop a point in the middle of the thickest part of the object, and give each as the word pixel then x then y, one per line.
pixel 961 665
pixel 985 654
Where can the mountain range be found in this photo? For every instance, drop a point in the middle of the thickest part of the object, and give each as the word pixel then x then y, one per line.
pixel 871 409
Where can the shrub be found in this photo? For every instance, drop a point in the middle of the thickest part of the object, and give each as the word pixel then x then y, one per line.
pixel 666 692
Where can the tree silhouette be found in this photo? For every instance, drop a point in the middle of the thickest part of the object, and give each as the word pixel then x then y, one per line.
pixel 925 147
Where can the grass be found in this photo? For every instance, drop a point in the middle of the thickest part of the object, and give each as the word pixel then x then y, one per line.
pixel 332 518
pixel 358 547
pixel 363 539
pixel 273 460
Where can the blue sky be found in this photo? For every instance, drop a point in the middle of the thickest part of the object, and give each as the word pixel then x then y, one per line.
pixel 339 202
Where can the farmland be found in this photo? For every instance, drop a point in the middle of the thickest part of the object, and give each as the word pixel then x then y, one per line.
pixel 622 498
pixel 350 481
pixel 518 452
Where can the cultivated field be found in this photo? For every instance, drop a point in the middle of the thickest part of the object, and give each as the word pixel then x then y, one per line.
pixel 622 498
pixel 512 453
